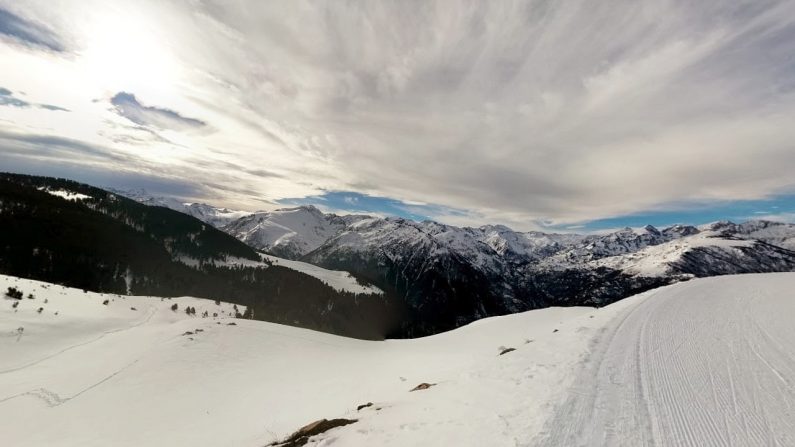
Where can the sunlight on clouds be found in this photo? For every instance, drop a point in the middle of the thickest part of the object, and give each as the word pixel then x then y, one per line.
pixel 126 50
pixel 526 112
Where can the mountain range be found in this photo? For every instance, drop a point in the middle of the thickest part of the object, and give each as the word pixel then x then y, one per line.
pixel 447 276
pixel 76 235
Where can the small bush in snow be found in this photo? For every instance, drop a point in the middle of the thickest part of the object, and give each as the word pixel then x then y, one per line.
pixel 15 293
pixel 174 307
pixel 105 302
pixel 40 310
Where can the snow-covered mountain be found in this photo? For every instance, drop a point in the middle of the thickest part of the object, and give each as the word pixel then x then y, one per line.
pixel 450 275
pixel 307 233
pixel 74 234
pixel 447 276
pixel 289 232
pixel 212 215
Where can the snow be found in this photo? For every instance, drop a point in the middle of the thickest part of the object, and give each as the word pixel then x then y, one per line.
pixel 338 280
pixel 655 260
pixel 299 230
pixel 64 194
pixel 212 215
pixel 106 375
pixel 705 362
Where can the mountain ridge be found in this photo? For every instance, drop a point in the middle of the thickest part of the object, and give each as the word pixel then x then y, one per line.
pixel 447 276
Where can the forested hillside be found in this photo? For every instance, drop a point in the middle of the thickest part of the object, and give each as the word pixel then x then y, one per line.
pixel 73 234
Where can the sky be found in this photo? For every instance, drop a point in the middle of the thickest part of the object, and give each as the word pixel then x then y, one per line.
pixel 564 115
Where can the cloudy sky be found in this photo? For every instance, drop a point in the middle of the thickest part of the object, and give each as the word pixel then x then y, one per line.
pixel 535 114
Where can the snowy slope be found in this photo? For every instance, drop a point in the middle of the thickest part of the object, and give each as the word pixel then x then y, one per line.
pixel 289 232
pixel 699 363
pixel 338 280
pixel 66 195
pixel 703 363
pixel 107 375
pixel 659 260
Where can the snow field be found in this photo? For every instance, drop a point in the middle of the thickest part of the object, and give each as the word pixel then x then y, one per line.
pixel 107 375
pixel 701 363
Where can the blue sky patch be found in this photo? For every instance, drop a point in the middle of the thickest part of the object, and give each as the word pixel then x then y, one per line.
pixel 354 202
pixel 776 208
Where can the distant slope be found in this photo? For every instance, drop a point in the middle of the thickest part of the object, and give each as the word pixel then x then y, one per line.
pixel 707 253
pixel 436 277
pixel 73 234
pixel 338 280
pixel 290 232
pixel 448 276
pixel 212 215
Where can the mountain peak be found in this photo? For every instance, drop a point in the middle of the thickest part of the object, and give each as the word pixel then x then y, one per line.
pixel 651 229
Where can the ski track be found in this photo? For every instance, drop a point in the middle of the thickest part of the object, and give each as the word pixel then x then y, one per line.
pixel 53 399
pixel 151 311
pixel 688 366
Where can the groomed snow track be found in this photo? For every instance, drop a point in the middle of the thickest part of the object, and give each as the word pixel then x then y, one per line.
pixel 705 363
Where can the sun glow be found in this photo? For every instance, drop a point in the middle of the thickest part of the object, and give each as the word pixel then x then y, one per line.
pixel 123 50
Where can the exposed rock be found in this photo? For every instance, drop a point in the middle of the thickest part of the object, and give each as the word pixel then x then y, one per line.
pixel 368 404
pixel 301 437
pixel 422 386
pixel 507 350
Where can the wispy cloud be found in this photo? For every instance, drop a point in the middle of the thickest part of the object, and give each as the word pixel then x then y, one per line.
pixel 53 147
pixel 128 106
pixel 28 32
pixel 7 98
pixel 530 113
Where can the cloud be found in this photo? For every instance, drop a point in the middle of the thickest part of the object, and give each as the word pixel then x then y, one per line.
pixel 53 108
pixel 530 113
pixel 53 147
pixel 7 98
pixel 127 105
pixel 28 32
